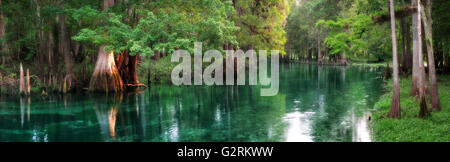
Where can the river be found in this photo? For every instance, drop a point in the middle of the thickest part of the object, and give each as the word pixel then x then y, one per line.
pixel 314 103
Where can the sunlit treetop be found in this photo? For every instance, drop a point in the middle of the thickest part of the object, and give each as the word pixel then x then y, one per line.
pixel 158 26
pixel 262 24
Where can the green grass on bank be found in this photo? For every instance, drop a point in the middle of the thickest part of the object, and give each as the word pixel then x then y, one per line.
pixel 411 128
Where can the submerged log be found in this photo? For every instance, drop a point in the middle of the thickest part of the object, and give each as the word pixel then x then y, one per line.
pixel 106 76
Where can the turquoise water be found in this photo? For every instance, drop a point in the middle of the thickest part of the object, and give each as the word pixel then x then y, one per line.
pixel 315 103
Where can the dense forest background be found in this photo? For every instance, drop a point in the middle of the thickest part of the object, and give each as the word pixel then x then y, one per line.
pixel 359 30
pixel 113 45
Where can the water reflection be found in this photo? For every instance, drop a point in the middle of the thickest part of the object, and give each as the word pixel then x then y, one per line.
pixel 315 103
pixel 106 114
pixel 361 133
pixel 299 127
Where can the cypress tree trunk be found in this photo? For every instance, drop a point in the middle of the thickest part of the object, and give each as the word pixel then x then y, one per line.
pixel 408 58
pixel 42 44
pixel 1 80
pixel 403 44
pixel 310 55
pixel 406 44
pixel 107 4
pixel 421 76
pixel 395 107
pixel 319 51
pixel 157 56
pixel 127 66
pixel 416 38
pixel 435 102
pixel 49 50
pixel 132 62
pixel 106 76
pixel 121 61
pixel 55 50
pixel 4 45
pixel 65 44
pixel 132 66
pixel 21 81
pixel 28 82
pixel 149 74
pixel 387 72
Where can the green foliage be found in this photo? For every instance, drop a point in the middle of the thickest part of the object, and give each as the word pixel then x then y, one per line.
pixel 345 27
pixel 262 24
pixel 160 70
pixel 109 30
pixel 441 34
pixel 410 127
pixel 160 27
pixel 349 35
pixel 303 25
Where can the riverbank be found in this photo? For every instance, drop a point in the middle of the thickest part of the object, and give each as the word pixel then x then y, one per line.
pixel 410 128
pixel 157 71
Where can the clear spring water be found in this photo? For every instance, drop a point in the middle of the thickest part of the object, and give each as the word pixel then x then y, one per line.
pixel 315 103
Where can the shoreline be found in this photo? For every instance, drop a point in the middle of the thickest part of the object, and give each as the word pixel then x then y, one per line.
pixel 9 90
pixel 411 128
